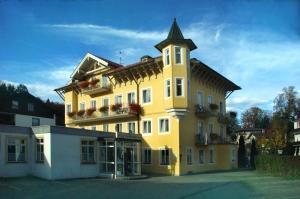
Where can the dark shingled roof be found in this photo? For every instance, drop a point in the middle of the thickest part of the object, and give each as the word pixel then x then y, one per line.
pixel 175 36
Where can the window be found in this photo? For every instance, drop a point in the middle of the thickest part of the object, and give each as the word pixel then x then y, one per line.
pixel 233 158
pixel 147 156
pixel 68 108
pixel 179 87
pixel 131 127
pixel 105 127
pixel 39 150
pixel 168 88
pixel 87 151
pixel 164 157
pixel 211 156
pixel 147 126
pixel 210 128
pixel 222 135
pixel 93 104
pixel 200 128
pixel 93 128
pixel 35 121
pixel 118 127
pixel 164 125
pixel 201 156
pixel 105 82
pixel 221 107
pixel 189 156
pixel 118 99
pixel 82 106
pixel 30 107
pixel 200 98
pixel 105 103
pixel 131 98
pixel 15 104
pixel 146 94
pixel 178 55
pixel 16 148
pixel 210 99
pixel 167 56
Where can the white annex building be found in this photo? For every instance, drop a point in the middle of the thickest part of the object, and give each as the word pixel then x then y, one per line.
pixel 53 152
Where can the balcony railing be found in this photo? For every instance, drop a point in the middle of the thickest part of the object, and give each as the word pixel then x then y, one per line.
pixel 121 112
pixel 203 112
pixel 97 88
pixel 204 139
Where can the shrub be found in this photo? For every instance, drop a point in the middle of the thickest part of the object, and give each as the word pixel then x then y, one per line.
pixel 83 84
pixel 103 109
pixel 81 112
pixel 115 107
pixel 90 111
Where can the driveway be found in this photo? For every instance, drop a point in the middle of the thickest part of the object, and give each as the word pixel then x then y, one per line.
pixel 240 185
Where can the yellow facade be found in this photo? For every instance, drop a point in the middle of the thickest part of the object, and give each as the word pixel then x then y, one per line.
pixel 177 111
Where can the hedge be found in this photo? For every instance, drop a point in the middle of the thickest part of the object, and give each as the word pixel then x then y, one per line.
pixel 278 165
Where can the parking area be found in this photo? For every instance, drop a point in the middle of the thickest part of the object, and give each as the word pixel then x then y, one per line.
pixel 240 185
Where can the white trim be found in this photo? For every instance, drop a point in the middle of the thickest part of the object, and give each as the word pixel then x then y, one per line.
pixel 214 155
pixel 203 97
pixel 142 125
pixel 67 104
pixel 164 56
pixel 151 96
pixel 169 125
pixel 135 126
pixel 82 102
pixel 192 159
pixel 182 86
pixel 201 149
pixel 118 94
pixel 135 96
pixel 181 55
pixel 159 156
pixel 91 100
pixel 165 88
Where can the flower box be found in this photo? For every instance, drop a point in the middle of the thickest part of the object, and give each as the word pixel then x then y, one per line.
pixel 93 82
pixel 90 111
pixel 115 107
pixel 103 109
pixel 81 112
pixel 83 84
pixel 71 114
pixel 135 108
pixel 213 107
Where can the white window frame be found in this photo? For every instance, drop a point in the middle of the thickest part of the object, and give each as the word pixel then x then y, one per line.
pixel 212 160
pixel 134 99
pixel 87 146
pixel 151 126
pixel 128 126
pixel 208 128
pixel 91 104
pixel 189 156
pixel 200 123
pixel 116 96
pixel 82 103
pixel 68 105
pixel 181 56
pixel 103 127
pixel 182 86
pixel 39 150
pixel 149 162
pixel 18 148
pixel 94 128
pixel 202 163
pixel 142 96
pixel 120 127
pixel 202 100
pixel 167 56
pixel 160 156
pixel 168 87
pixel 210 99
pixel 169 125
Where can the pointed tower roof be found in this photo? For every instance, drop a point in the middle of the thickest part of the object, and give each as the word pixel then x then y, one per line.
pixel 175 36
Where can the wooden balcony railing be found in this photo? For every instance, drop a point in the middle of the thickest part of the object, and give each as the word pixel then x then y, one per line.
pixel 98 88
pixel 203 139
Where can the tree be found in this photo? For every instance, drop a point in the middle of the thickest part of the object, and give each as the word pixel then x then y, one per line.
pixel 232 125
pixel 255 117
pixel 21 88
pixel 253 153
pixel 241 153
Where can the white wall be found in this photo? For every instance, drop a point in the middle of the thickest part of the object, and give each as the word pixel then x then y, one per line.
pixel 26 120
pixel 14 169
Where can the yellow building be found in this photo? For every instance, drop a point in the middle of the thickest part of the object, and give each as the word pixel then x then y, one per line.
pixel 176 103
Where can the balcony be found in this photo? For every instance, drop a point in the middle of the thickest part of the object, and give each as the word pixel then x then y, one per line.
pixel 94 87
pixel 201 139
pixel 116 112
pixel 212 138
pixel 204 112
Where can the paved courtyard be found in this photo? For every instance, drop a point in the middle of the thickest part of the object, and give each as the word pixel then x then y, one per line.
pixel 240 185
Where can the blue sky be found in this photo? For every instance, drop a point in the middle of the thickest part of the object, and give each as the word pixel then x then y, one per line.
pixel 255 43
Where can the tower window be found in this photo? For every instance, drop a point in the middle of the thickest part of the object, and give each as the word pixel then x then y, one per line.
pixel 167 56
pixel 179 87
pixel 168 88
pixel 178 59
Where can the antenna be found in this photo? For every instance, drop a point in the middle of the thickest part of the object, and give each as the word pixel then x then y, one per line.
pixel 120 52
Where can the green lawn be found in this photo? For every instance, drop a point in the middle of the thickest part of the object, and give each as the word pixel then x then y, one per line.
pixel 240 185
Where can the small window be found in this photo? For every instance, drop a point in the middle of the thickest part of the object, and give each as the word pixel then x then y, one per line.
pixel 39 150
pixel 201 156
pixel 179 87
pixel 200 98
pixel 16 149
pixel 189 156
pixel 118 127
pixel 147 156
pixel 118 99
pixel 209 99
pixel 167 56
pixel 147 127
pixel 93 104
pixel 211 156
pixel 30 107
pixel 15 104
pixel 93 128
pixel 200 128
pixel 168 88
pixel 68 108
pixel 131 127
pixel 164 125
pixel 87 151
pixel 178 59
pixel 82 106
pixel 164 157
pixel 131 98
pixel 35 121
pixel 146 96
pixel 105 127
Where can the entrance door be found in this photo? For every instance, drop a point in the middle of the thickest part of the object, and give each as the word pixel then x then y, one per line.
pixel 131 160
